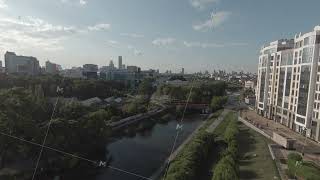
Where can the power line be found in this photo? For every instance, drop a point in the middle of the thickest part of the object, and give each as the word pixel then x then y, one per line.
pixel 45 138
pixel 178 130
pixel 74 156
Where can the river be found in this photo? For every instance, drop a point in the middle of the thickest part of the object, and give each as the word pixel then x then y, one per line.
pixel 145 153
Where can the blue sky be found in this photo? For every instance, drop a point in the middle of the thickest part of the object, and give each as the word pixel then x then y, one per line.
pixel 161 34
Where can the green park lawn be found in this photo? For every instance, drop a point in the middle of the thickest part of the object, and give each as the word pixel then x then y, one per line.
pixel 255 161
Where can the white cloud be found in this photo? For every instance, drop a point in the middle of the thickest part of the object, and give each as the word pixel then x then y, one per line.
pixel 201 4
pixel 83 2
pixel 211 45
pixel 202 45
pixel 132 35
pixel 75 2
pixel 163 41
pixel 135 51
pixel 112 43
pixel 30 33
pixel 3 4
pixel 215 20
pixel 99 27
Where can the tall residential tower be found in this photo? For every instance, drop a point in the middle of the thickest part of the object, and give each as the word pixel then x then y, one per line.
pixel 288 85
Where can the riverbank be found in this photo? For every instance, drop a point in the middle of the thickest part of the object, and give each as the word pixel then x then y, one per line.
pixel 199 141
pixel 146 151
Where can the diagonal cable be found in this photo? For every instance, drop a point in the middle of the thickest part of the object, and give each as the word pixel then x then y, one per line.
pixel 178 131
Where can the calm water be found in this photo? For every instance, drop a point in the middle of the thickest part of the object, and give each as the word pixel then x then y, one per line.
pixel 144 154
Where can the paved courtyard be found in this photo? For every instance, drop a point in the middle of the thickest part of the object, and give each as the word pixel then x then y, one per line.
pixel 311 148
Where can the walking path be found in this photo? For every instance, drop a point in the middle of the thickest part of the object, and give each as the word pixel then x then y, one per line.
pixel 311 148
pixel 216 123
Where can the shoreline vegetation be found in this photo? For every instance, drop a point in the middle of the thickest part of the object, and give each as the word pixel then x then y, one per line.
pixel 26 108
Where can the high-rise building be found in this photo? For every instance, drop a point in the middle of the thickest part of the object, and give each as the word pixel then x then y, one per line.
pixel 52 68
pixel 74 72
pixel 288 84
pixel 1 68
pixel 182 71
pixel 90 71
pixel 111 65
pixel 132 68
pixel 120 62
pixel 21 64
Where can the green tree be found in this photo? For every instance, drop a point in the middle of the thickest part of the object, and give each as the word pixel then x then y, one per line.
pixel 145 87
pixel 225 169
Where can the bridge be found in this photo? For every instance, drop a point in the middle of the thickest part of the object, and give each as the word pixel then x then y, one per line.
pixel 134 119
pixel 204 107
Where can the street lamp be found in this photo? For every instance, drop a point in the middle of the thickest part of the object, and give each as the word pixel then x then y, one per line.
pixel 305 140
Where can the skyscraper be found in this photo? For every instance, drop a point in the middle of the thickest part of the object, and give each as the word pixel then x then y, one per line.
pixel 111 65
pixel 182 71
pixel 120 62
pixel 288 86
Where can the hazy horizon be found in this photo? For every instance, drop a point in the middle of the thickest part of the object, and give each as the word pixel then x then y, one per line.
pixel 197 35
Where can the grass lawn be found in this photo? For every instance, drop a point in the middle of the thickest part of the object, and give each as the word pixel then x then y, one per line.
pixel 220 129
pixel 255 161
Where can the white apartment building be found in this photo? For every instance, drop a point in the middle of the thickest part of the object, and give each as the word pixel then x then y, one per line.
pixel 248 84
pixel 288 85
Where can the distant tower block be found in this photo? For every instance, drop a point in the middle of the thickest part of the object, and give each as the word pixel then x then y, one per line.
pixel 182 71
pixel 120 62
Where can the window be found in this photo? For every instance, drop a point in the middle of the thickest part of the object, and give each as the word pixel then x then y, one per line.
pixel 306 41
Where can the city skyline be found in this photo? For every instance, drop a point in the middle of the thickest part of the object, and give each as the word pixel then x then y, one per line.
pixel 197 34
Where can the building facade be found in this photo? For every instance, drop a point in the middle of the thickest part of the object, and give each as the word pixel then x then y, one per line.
pixel 52 68
pixel 90 71
pixel 249 84
pixel 288 84
pixel 21 64
pixel 2 70
pixel 120 62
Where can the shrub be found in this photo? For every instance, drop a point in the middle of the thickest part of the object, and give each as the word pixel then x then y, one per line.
pixel 305 170
pixel 226 169
pixel 191 159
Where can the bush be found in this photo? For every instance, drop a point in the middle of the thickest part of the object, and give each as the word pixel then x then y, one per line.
pixel 231 131
pixel 217 102
pixel 191 159
pixel 226 169
pixel 304 170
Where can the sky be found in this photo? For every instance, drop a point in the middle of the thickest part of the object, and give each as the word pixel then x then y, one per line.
pixel 197 35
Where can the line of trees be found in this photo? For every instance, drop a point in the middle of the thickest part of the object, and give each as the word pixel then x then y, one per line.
pixel 227 167
pixel 74 128
pixel 190 161
pixel 80 88
pixel 217 102
pixel 201 92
